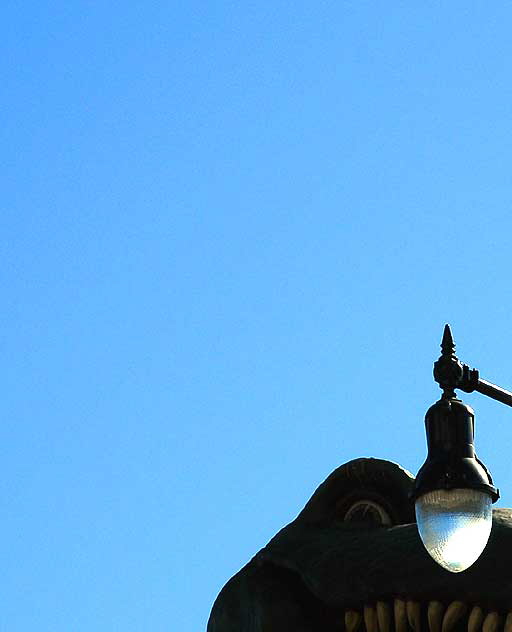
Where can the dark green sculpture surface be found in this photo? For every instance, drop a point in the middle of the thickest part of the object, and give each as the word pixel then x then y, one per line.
pixel 353 559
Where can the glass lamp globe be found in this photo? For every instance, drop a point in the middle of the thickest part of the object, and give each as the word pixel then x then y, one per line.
pixel 454 525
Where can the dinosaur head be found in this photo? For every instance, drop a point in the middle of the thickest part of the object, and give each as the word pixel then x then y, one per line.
pixel 353 560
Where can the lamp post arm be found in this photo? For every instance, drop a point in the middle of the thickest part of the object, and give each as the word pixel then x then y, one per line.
pixel 496 392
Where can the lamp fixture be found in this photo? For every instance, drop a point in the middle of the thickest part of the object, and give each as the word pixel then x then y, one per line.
pixel 454 491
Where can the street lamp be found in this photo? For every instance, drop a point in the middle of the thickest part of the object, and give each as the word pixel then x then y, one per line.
pixel 454 491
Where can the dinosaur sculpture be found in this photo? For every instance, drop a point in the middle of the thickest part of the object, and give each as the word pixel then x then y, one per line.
pixel 353 560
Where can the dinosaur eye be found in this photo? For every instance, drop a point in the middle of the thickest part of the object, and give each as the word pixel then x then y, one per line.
pixel 367 512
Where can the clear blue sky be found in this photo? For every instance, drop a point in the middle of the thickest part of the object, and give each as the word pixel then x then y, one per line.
pixel 231 236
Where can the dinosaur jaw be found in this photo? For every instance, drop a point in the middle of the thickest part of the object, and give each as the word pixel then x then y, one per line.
pixel 348 569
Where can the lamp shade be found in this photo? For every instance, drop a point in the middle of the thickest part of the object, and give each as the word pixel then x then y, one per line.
pixel 453 491
pixel 454 526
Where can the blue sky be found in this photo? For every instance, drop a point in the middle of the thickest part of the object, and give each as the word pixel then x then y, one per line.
pixel 231 236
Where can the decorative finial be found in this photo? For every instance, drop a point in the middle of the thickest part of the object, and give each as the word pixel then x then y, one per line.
pixel 447 344
pixel 448 370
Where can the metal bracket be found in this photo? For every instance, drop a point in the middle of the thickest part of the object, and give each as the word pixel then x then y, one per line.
pixel 450 374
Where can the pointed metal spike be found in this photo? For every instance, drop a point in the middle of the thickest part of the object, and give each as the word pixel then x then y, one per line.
pixel 447 343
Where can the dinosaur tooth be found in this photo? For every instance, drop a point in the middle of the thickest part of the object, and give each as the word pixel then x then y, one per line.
pixel 455 611
pixel 370 619
pixel 400 616
pixel 435 614
pixel 508 623
pixel 491 622
pixel 384 616
pixel 476 617
pixel 353 620
pixel 414 615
